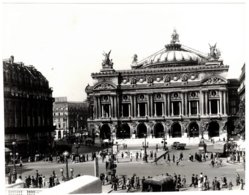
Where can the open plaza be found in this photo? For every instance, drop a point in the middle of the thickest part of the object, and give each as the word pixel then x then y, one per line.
pixel 128 165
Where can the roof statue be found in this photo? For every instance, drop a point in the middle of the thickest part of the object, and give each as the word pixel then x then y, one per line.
pixel 107 64
pixel 134 59
pixel 175 37
pixel 107 60
pixel 214 52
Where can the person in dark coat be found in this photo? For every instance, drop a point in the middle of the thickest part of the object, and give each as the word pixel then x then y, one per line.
pixel 173 158
pixel 192 181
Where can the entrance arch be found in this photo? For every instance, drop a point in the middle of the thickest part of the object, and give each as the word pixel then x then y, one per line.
pixel 123 132
pixel 213 129
pixel 141 130
pixel 193 129
pixel 176 130
pixel 158 130
pixel 105 132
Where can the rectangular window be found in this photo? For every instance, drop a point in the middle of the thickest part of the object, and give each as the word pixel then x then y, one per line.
pixel 159 109
pixel 214 109
pixel 176 108
pixel 106 110
pixel 193 107
pixel 142 109
pixel 125 110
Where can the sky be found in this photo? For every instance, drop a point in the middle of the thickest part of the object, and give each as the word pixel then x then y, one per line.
pixel 65 42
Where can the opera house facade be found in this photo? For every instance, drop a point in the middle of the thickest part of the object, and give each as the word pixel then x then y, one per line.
pixel 177 92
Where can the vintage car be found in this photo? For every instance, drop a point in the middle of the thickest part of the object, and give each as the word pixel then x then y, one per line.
pixel 178 146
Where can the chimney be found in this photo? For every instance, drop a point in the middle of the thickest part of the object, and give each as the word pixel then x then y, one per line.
pixel 11 59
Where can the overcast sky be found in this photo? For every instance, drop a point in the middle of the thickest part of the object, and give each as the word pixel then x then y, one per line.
pixel 66 42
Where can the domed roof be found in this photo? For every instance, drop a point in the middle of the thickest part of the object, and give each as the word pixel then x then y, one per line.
pixel 174 54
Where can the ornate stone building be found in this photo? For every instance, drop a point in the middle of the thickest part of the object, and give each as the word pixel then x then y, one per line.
pixel 28 109
pixel 175 92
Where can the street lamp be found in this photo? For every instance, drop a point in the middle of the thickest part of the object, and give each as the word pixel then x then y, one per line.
pixel 66 154
pixel 145 146
pixel 14 158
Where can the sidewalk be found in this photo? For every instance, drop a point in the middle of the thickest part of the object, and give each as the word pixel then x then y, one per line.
pixel 106 188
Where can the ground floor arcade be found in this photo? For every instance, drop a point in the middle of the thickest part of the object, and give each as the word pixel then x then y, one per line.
pixel 159 129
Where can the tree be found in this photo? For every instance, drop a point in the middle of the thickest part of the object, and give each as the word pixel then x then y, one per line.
pixel 240 122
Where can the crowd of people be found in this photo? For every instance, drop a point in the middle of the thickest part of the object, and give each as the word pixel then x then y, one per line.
pixel 199 182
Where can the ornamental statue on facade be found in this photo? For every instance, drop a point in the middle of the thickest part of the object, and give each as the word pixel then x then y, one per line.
pixel 175 37
pixel 134 59
pixel 107 62
pixel 214 52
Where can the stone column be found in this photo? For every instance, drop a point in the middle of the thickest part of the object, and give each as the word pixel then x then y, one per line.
pixel 99 108
pixel 146 109
pixel 198 112
pixel 148 105
pixel 189 108
pixel 168 102
pixel 155 106
pixel 95 107
pixel 115 106
pixel 102 110
pixel 135 106
pixel 129 105
pixel 225 103
pixel 180 108
pixel 201 103
pixel 186 103
pixel 118 107
pixel 172 109
pixel 138 110
pixel 218 106
pixel 132 106
pixel 209 103
pixel 164 104
pixel 163 111
pixel 111 111
pixel 220 101
pixel 206 102
pixel 151 105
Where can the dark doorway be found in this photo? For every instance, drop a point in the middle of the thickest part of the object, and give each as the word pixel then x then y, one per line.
pixel 176 130
pixel 105 132
pixel 123 132
pixel 213 129
pixel 158 130
pixel 141 130
pixel 193 130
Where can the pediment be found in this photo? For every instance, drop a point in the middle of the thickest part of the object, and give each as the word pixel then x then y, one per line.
pixel 214 80
pixel 104 86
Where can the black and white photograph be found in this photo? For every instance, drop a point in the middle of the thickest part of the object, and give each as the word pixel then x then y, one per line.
pixel 123 96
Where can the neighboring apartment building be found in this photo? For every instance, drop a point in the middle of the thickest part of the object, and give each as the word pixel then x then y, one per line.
pixel 69 117
pixel 28 106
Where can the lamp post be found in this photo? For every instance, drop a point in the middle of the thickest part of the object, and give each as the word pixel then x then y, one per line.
pixel 14 158
pixel 66 154
pixel 145 146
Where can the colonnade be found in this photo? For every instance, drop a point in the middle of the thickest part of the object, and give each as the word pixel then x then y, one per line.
pixel 112 106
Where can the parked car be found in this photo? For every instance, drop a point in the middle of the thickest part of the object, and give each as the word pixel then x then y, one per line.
pixel 178 146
